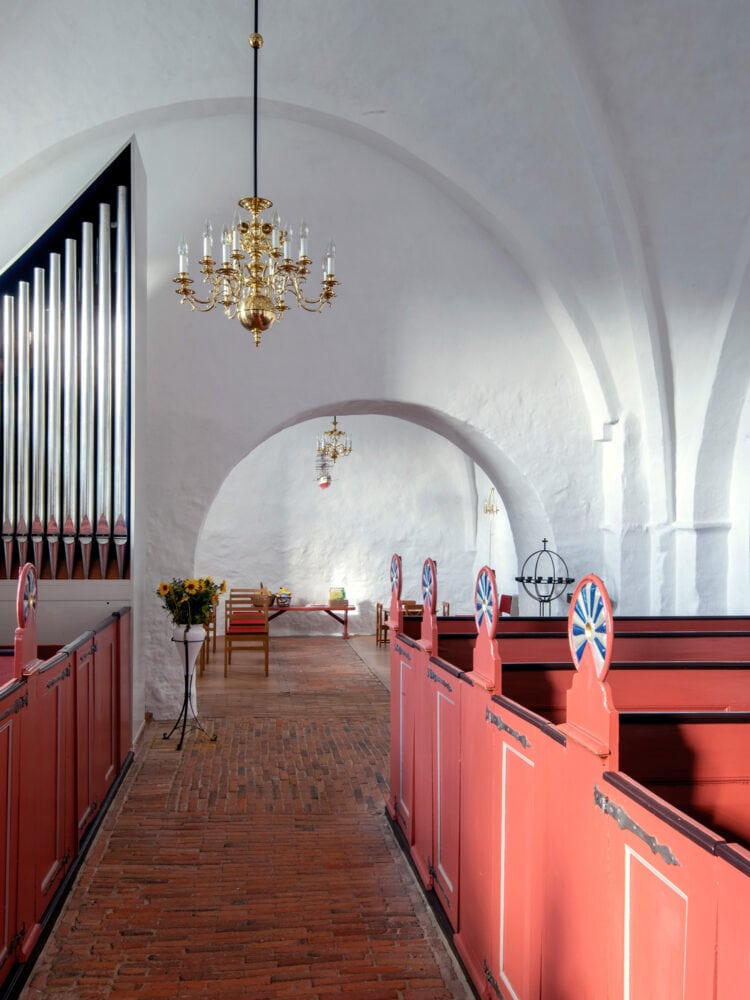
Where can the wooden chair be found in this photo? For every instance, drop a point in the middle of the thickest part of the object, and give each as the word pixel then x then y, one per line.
pixel 411 607
pixel 245 627
pixel 382 635
pixel 446 609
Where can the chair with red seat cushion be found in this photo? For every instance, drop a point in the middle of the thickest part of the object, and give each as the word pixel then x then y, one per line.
pixel 245 627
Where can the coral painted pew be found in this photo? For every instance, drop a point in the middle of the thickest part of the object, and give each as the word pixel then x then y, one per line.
pixel 65 738
pixel 632 826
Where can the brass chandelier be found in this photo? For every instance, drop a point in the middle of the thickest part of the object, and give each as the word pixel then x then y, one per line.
pixel 257 270
pixel 333 443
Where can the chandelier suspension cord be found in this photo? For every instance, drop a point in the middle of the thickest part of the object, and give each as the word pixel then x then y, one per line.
pixel 255 108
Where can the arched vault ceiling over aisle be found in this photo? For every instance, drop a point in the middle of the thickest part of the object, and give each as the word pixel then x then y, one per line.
pixel 535 114
pixel 543 220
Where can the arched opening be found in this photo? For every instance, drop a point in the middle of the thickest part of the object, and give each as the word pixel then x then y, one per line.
pixel 403 488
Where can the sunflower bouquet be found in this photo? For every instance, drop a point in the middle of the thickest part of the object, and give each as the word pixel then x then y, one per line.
pixel 190 602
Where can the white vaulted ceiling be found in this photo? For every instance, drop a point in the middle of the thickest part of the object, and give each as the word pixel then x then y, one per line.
pixel 542 212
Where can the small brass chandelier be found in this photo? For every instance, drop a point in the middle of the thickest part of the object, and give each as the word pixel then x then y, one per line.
pixel 333 443
pixel 257 270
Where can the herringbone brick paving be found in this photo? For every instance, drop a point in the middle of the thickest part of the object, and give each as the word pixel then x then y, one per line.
pixel 258 866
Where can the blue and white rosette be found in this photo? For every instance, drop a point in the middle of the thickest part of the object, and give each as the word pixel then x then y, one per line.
pixel 26 596
pixel 428 583
pixel 396 575
pixel 485 600
pixel 590 624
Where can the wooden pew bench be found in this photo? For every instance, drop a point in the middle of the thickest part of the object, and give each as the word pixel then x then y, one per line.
pixel 636 686
pixel 463 624
pixel 735 624
pixel 457 648
pixel 537 671
pixel 656 647
pixel 698 762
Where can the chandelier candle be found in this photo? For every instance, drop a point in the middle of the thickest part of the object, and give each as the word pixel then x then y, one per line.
pixel 257 270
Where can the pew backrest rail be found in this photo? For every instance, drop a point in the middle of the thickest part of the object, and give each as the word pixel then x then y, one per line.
pixel 706 647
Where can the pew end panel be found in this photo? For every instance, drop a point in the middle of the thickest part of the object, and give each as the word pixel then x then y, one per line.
pixel 395 618
pixel 485 662
pixel 429 630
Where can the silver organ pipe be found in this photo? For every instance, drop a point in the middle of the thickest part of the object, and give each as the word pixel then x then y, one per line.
pixel 38 415
pixel 104 390
pixel 23 423
pixel 70 406
pixel 9 430
pixel 65 380
pixel 120 483
pixel 54 413
pixel 86 442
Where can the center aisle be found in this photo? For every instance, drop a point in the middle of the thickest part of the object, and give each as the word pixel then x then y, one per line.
pixel 261 865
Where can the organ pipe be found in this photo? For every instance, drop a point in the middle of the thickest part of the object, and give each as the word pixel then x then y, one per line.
pixel 104 390
pixel 65 380
pixel 38 352
pixel 9 430
pixel 23 437
pixel 86 445
pixel 70 406
pixel 120 382
pixel 54 409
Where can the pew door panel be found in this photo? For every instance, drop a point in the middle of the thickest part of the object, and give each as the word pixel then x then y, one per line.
pixel 732 939
pixel 13 707
pixel 48 816
pixel 97 720
pixel 423 770
pixel 125 680
pixel 519 746
pixel 478 806
pixel 577 896
pixel 105 745
pixel 662 891
pixel 406 694
pixel 86 803
pixel 443 863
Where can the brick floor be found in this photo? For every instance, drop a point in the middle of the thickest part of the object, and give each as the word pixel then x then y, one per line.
pixel 260 865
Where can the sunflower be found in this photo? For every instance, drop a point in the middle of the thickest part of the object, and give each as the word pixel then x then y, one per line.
pixel 191 601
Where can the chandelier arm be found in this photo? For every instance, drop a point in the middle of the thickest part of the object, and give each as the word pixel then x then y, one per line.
pixel 199 305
